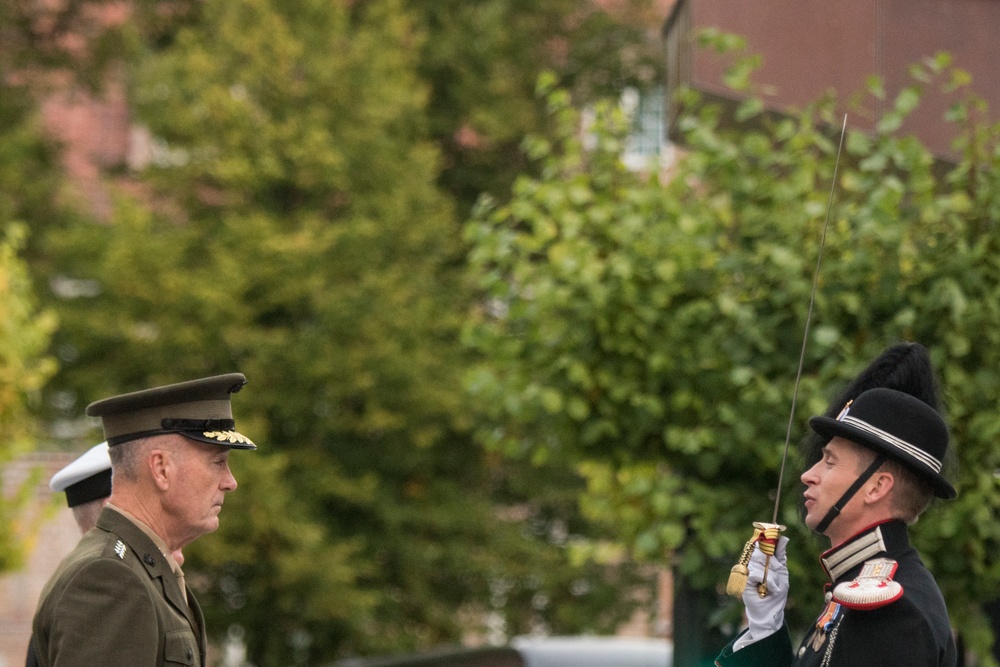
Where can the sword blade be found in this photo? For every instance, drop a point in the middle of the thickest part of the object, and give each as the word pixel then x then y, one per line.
pixel 805 335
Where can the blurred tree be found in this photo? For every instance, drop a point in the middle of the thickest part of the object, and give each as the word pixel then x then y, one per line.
pixel 56 45
pixel 647 335
pixel 481 61
pixel 28 187
pixel 289 225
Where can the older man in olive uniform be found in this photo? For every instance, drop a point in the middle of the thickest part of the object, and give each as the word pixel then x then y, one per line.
pixel 119 597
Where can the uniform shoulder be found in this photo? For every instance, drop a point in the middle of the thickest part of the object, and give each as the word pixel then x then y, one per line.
pixel 88 578
pixel 873 588
pixel 98 563
pixel 95 552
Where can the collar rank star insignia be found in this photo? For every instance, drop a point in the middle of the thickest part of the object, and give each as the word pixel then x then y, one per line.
pixel 871 589
pixel 120 549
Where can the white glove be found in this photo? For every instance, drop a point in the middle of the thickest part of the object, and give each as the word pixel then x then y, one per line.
pixel 765 615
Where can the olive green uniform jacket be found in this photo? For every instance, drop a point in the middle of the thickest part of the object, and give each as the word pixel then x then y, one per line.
pixel 114 602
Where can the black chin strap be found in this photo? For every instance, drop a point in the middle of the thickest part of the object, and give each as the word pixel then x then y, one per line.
pixel 846 498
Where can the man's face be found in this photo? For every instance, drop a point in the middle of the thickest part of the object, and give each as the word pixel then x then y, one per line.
pixel 827 481
pixel 198 488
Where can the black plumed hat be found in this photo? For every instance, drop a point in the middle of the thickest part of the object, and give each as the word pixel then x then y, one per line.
pixel 905 367
pixel 898 425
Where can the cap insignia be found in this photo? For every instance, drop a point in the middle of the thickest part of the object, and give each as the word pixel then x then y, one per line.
pixel 846 409
pixel 120 549
pixel 872 588
pixel 228 436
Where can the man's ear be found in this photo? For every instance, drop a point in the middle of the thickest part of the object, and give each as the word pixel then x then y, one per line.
pixel 161 467
pixel 881 484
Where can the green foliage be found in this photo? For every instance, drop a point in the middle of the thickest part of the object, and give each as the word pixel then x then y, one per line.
pixel 27 188
pixel 296 235
pixel 481 60
pixel 75 42
pixel 24 368
pixel 290 226
pixel 273 566
pixel 646 334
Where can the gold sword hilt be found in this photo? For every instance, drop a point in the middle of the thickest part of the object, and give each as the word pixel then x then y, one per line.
pixel 767 543
pixel 765 538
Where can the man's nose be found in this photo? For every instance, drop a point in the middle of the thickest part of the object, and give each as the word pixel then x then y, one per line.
pixel 809 477
pixel 228 481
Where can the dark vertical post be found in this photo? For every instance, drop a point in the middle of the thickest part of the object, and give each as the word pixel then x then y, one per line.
pixel 696 644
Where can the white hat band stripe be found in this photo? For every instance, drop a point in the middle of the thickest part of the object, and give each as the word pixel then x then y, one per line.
pixel 917 453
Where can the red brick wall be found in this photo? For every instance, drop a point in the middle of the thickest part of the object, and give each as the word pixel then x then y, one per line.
pixel 94 133
pixel 812 46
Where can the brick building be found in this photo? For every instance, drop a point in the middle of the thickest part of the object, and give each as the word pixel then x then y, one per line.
pixel 95 135
pixel 810 47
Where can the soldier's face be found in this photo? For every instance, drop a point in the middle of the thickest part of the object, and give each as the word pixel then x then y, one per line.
pixel 827 481
pixel 203 478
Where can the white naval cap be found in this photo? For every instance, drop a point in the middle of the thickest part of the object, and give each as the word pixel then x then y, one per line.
pixel 87 478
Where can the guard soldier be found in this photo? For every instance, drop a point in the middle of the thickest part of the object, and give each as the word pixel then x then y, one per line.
pixel 87 483
pixel 880 468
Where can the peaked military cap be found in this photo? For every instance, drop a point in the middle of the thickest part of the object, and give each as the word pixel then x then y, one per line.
pixel 199 409
pixel 898 425
pixel 87 478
